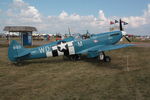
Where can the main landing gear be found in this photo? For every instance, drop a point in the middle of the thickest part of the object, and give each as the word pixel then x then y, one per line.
pixel 72 57
pixel 104 58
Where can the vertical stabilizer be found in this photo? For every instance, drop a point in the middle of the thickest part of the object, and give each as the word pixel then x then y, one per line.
pixel 16 51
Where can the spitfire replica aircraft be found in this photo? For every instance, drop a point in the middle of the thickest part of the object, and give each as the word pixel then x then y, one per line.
pixel 71 47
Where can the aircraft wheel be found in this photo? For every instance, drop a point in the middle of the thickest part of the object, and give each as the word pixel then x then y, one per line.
pixel 101 56
pixel 19 63
pixel 66 57
pixel 107 59
pixel 75 57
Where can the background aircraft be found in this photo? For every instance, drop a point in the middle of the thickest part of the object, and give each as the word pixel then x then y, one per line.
pixel 71 47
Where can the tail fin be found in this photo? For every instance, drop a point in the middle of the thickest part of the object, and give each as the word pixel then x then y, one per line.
pixel 16 51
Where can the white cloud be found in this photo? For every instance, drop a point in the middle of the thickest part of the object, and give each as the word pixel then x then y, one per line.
pixel 18 0
pixel 135 21
pixel 63 15
pixel 76 22
pixel 101 15
pixel 30 14
pixel 19 3
pixel 75 16
pixel 21 13
pixel 0 11
pixel 138 21
pixel 147 12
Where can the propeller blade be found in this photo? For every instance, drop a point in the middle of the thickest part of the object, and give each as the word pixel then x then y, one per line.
pixel 127 39
pixel 120 24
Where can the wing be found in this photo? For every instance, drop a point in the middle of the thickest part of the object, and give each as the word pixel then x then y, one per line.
pixel 94 51
pixel 113 47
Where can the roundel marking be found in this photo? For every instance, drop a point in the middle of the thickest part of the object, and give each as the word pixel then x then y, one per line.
pixel 62 46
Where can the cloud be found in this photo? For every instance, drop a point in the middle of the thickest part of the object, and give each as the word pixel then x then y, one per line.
pixel 21 13
pixel 75 16
pixel 0 11
pixel 19 3
pixel 102 15
pixel 138 21
pixel 63 15
pixel 30 14
pixel 135 21
pixel 76 22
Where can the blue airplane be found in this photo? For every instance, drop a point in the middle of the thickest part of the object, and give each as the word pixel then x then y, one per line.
pixel 71 47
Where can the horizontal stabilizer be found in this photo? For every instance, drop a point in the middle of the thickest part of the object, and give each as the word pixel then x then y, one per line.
pixel 24 53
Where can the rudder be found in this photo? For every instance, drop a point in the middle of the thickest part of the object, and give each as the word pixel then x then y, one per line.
pixel 15 51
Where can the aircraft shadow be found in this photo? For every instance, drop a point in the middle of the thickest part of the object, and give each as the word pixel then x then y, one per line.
pixel 38 61
pixel 95 62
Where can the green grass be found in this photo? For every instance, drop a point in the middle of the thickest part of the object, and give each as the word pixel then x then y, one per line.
pixel 139 40
pixel 56 79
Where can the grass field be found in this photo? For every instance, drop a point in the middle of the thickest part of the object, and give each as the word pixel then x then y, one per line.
pixel 56 79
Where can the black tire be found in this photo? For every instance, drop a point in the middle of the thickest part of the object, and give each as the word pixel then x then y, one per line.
pixel 101 56
pixel 107 59
pixel 66 58
pixel 75 57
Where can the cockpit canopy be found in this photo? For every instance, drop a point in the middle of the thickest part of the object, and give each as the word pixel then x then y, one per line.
pixel 82 37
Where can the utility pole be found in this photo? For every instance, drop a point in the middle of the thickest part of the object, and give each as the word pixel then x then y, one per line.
pixel 69 31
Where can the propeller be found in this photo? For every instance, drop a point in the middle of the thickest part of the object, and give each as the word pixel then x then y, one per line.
pixel 123 32
pixel 127 39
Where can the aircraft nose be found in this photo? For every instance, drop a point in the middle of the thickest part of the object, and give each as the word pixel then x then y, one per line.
pixel 124 33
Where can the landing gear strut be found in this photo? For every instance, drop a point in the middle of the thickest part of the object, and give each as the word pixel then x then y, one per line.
pixel 104 58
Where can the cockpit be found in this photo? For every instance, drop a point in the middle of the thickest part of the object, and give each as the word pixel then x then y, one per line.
pixel 82 37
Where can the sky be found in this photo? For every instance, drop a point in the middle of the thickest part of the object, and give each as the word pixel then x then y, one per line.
pixel 55 16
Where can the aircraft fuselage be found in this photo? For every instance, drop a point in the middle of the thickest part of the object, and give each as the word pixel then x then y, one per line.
pixel 73 46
